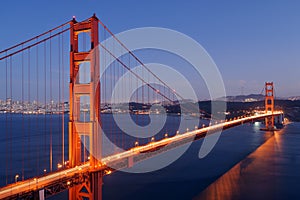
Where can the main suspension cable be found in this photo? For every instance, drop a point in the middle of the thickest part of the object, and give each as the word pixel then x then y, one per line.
pixel 33 38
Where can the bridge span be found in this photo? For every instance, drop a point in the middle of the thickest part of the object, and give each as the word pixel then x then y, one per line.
pixel 91 94
pixel 53 183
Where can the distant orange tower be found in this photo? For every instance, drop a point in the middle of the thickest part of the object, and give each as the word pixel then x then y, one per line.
pixel 269 104
pixel 90 189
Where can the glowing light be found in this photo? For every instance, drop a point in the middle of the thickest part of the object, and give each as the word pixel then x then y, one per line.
pixel 256 123
pixel 59 165
pixel 68 183
pixel 66 163
pixel 16 177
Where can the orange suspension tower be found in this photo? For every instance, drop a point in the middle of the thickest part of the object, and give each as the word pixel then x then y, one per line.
pixel 91 189
pixel 269 104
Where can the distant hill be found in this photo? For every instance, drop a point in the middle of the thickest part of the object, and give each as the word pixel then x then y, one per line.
pixel 295 98
pixel 243 98
pixel 254 98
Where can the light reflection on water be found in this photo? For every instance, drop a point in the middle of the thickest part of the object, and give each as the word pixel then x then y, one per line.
pixel 271 172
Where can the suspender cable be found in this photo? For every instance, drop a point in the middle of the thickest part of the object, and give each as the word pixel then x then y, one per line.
pixel 23 125
pixel 104 83
pixel 6 119
pixel 111 103
pixel 10 128
pixel 37 107
pixel 63 99
pixel 143 94
pixel 137 100
pixel 130 84
pixel 113 100
pixel 45 100
pixel 118 94
pixel 59 95
pixel 29 128
pixel 51 101
pixel 59 88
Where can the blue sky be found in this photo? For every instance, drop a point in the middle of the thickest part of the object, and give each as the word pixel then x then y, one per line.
pixel 250 41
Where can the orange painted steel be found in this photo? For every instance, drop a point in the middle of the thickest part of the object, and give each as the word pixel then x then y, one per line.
pixel 269 104
pixel 92 189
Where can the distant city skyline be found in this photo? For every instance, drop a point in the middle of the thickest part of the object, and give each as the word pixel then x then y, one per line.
pixel 250 41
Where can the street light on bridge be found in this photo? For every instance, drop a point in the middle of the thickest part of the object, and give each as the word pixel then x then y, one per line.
pixel 136 143
pixel 16 177
pixel 152 139
pixel 59 165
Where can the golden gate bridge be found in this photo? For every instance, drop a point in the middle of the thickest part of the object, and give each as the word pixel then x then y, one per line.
pixel 37 82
